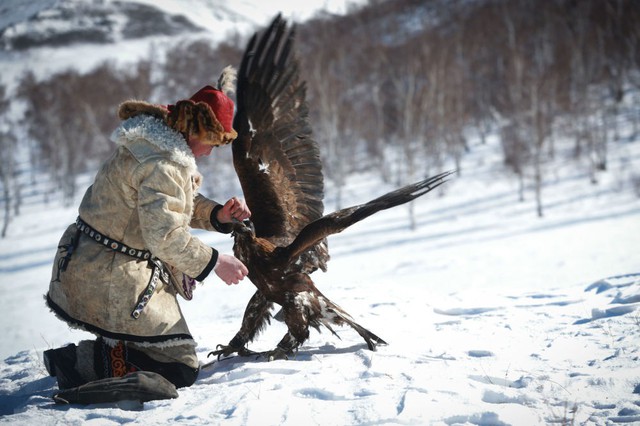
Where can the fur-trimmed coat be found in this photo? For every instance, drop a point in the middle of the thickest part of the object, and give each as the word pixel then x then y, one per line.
pixel 144 196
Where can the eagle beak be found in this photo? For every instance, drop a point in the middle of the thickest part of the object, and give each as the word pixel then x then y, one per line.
pixel 245 225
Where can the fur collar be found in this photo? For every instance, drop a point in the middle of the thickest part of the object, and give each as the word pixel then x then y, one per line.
pixel 156 132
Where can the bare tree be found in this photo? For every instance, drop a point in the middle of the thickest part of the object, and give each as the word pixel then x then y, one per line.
pixel 71 116
pixel 327 72
pixel 387 90
pixel 516 153
pixel 189 66
pixel 10 188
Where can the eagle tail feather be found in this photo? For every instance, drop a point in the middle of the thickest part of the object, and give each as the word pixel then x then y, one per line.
pixel 343 317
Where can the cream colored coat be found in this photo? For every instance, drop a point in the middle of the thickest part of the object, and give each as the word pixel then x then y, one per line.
pixel 144 196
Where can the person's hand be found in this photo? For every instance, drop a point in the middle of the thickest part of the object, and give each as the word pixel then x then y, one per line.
pixel 230 269
pixel 235 208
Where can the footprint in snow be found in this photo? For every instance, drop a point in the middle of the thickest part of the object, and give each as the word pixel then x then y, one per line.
pixel 479 353
pixel 464 311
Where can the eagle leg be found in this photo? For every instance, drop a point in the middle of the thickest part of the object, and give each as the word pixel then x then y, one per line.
pixel 288 346
pixel 256 318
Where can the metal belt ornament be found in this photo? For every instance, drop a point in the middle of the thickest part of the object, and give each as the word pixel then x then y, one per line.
pixel 158 268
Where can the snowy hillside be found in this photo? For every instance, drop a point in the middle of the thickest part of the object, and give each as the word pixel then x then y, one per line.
pixel 48 36
pixel 491 314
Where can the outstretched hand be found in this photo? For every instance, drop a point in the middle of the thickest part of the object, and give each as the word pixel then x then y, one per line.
pixel 230 269
pixel 235 208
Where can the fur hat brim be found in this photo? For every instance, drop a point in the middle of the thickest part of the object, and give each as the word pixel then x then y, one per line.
pixel 132 108
pixel 197 119
pixel 186 117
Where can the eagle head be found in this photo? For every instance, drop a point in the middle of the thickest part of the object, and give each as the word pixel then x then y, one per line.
pixel 244 229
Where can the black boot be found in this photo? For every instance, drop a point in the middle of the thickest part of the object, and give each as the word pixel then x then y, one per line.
pixel 61 364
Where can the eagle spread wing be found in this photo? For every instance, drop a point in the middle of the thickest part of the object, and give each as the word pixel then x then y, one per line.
pixel 337 221
pixel 279 168
pixel 276 159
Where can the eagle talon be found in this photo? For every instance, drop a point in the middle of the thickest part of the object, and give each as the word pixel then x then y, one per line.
pixel 228 350
pixel 276 354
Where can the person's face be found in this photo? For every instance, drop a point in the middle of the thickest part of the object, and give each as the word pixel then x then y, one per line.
pixel 198 148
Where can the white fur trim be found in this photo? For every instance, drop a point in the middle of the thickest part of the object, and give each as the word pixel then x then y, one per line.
pixel 157 133
pixel 166 343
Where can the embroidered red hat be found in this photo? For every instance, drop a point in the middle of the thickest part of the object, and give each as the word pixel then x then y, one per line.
pixel 208 114
pixel 221 105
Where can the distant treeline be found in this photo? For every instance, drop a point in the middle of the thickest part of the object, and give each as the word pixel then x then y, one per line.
pixel 398 86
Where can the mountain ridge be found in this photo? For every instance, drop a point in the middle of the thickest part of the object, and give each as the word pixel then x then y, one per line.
pixel 50 36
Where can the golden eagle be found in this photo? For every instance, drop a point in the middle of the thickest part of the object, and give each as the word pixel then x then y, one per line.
pixel 279 168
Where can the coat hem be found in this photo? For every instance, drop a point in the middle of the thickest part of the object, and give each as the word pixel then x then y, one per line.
pixel 162 340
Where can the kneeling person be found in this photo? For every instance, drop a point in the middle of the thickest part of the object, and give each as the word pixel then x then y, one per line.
pixel 120 267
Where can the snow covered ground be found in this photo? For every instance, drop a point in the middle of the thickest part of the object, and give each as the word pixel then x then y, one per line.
pixel 493 316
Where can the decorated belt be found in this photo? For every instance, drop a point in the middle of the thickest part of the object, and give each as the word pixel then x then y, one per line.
pixel 158 268
pixel 110 242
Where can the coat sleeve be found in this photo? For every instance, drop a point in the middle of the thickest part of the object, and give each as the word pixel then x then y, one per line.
pixel 164 210
pixel 204 215
pixel 202 209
